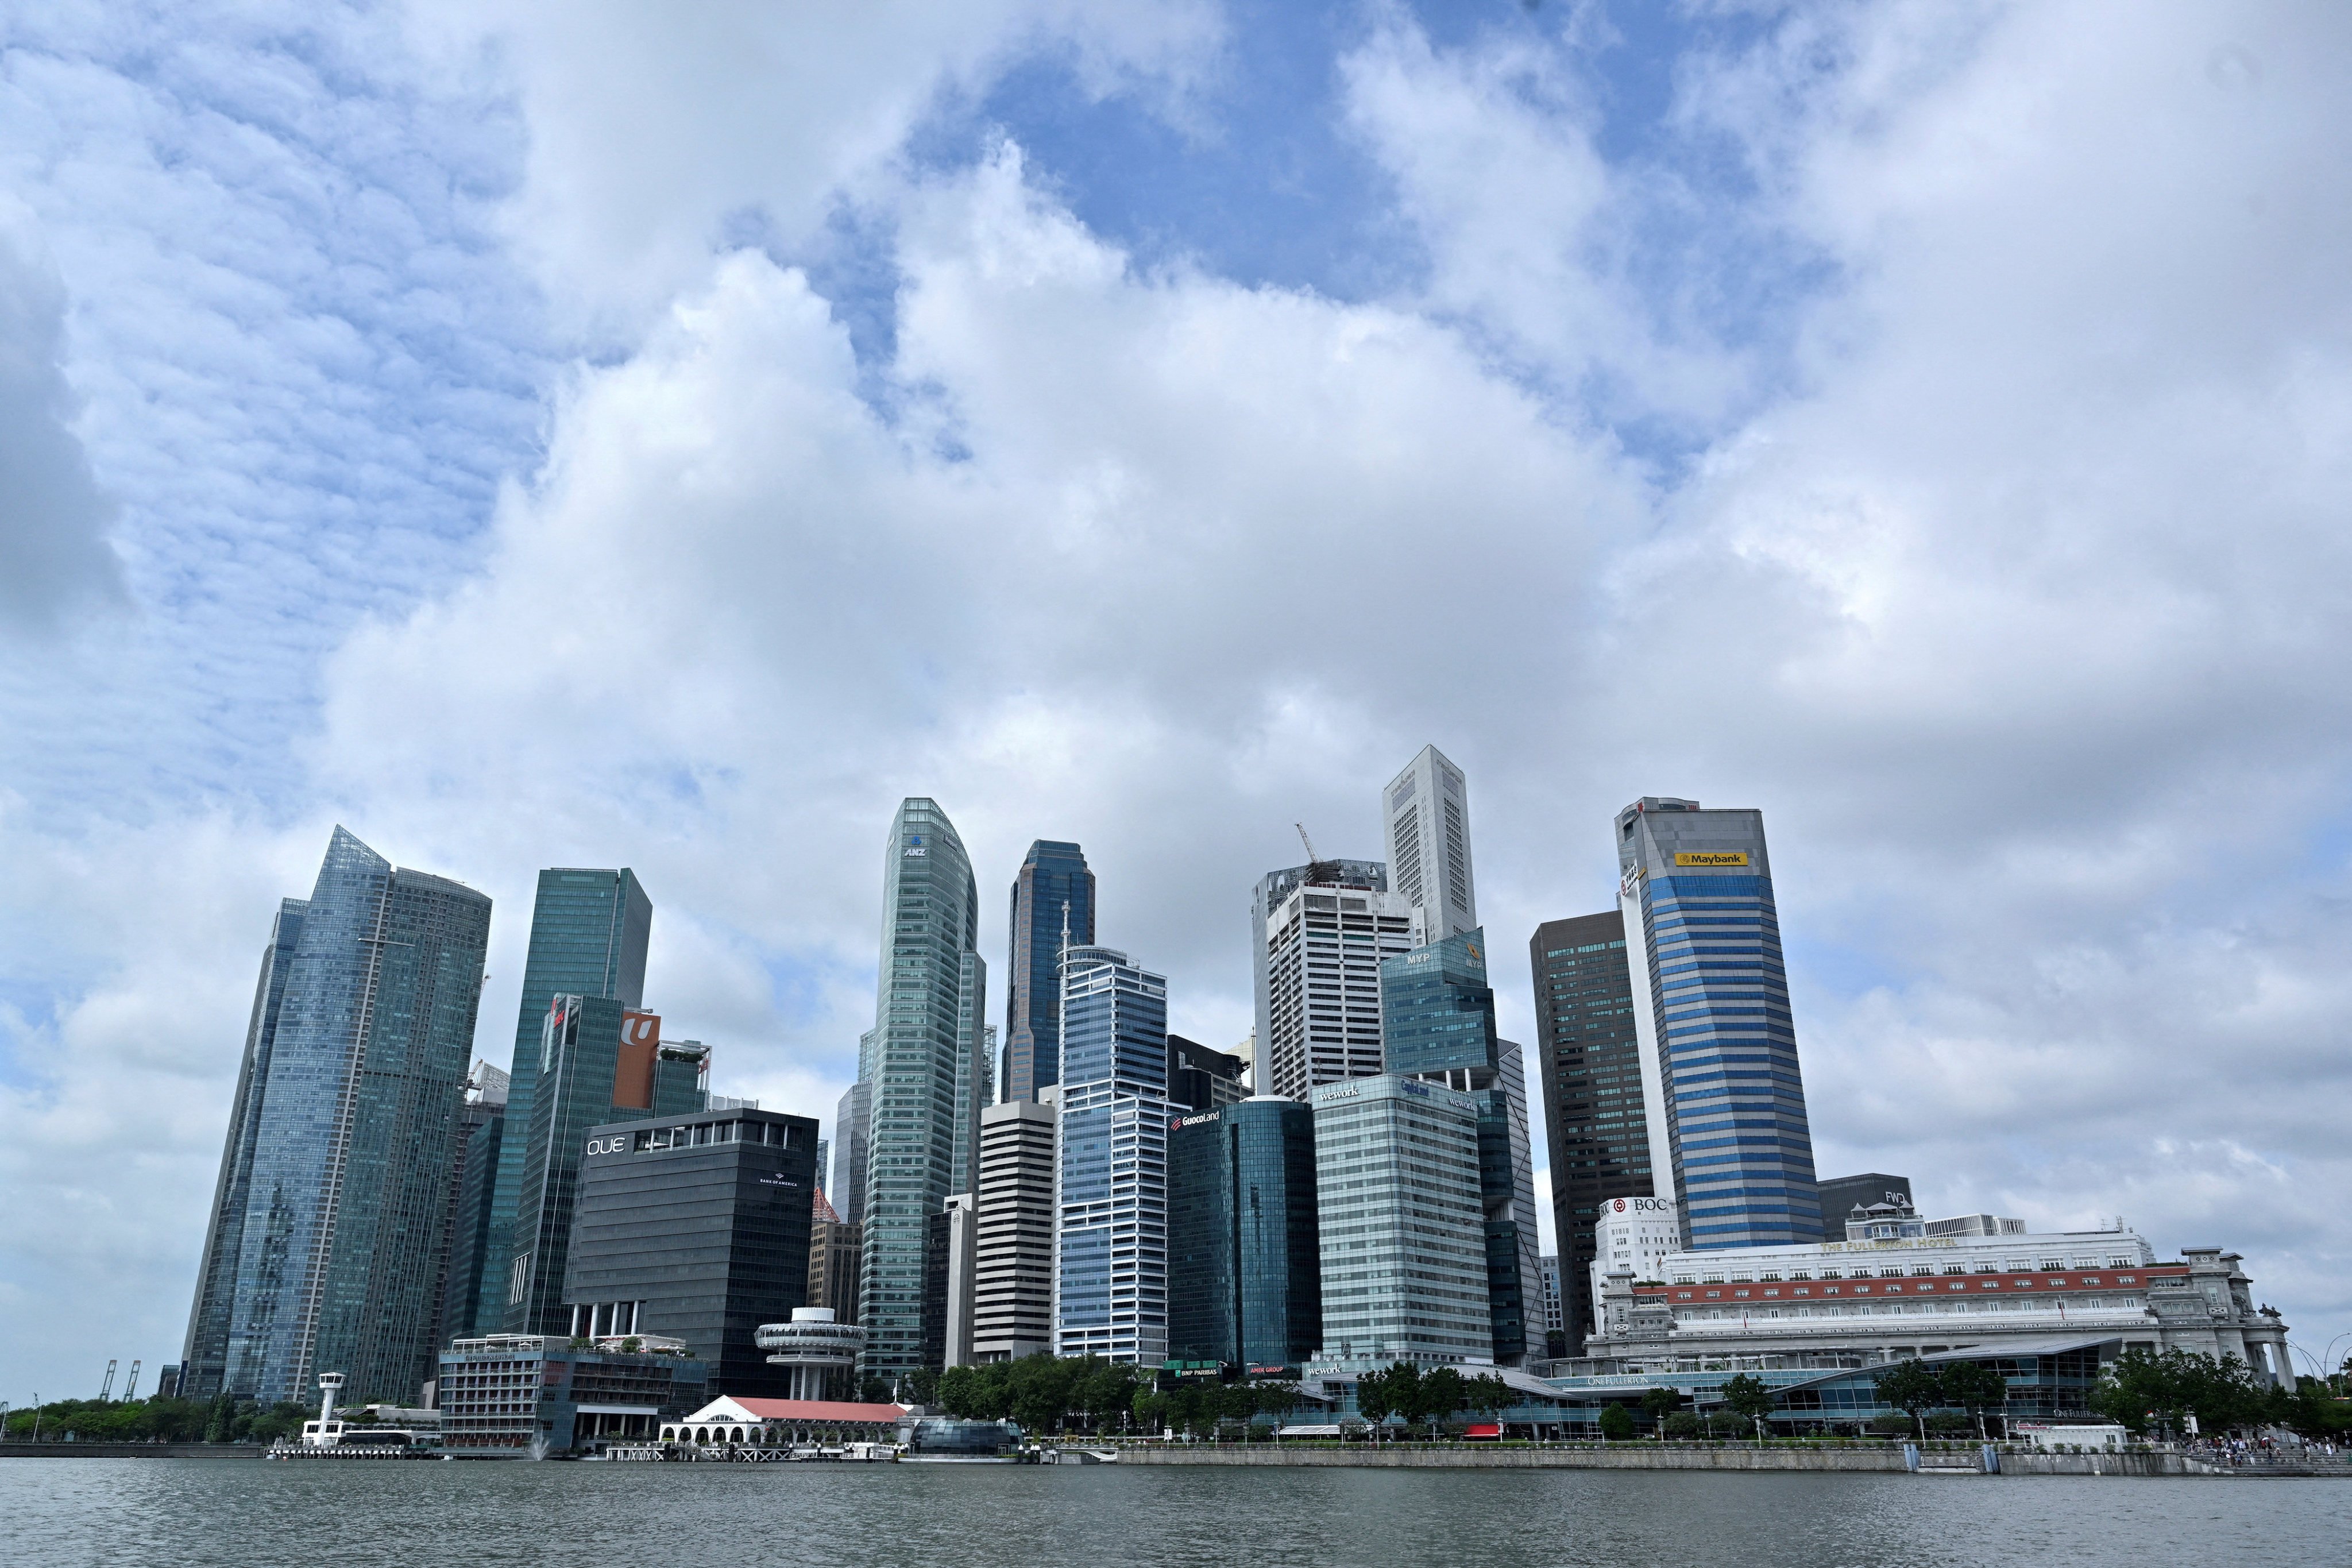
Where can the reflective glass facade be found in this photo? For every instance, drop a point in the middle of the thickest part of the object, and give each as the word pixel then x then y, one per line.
pixel 921 1062
pixel 1110 1292
pixel 1437 1017
pixel 344 1239
pixel 1245 1281
pixel 1053 892
pixel 1400 1222
pixel 1588 1054
pixel 204 1360
pixel 1726 1101
pixel 588 934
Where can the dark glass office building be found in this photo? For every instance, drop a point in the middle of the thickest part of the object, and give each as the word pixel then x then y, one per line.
pixel 473 1180
pixel 1199 1079
pixel 344 1159
pixel 1437 1024
pixel 1244 1281
pixel 695 1228
pixel 1588 1056
pixel 1053 893
pixel 588 934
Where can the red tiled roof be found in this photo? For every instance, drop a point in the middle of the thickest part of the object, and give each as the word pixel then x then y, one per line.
pixel 820 1410
pixel 822 1211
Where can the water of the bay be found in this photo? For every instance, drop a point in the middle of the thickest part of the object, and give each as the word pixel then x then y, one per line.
pixel 248 1514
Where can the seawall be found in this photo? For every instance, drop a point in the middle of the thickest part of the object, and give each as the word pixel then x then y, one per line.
pixel 1633 1456
pixel 132 1450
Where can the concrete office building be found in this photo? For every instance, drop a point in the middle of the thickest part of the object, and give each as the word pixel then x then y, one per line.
pixel 1554 1307
pixel 695 1228
pixel 1728 1137
pixel 1589 1060
pixel 1438 1014
pixel 1053 906
pixel 1841 1195
pixel 1400 1217
pixel 1202 1079
pixel 597 1063
pixel 922 1063
pixel 1427 812
pixel 1318 933
pixel 1244 1258
pixel 1012 1289
pixel 950 1259
pixel 589 928
pixel 833 1250
pixel 506 1397
pixel 1110 1243
pixel 1633 1236
pixel 340 1164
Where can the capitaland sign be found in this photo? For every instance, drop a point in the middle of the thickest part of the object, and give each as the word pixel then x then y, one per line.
pixel 1710 857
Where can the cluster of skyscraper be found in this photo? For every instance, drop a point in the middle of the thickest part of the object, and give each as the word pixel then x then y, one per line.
pixel 1086 1183
pixel 377 1201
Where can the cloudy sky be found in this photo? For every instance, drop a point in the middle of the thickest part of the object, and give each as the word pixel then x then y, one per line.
pixel 623 434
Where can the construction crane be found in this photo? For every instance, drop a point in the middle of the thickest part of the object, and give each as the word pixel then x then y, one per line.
pixel 106 1389
pixel 1311 857
pixel 131 1389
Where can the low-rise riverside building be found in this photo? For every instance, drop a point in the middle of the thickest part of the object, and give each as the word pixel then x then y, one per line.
pixel 510 1395
pixel 782 1423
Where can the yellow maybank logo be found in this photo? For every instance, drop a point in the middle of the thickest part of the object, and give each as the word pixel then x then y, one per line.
pixel 1710 857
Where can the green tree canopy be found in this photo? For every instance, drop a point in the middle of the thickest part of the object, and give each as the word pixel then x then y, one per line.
pixel 1913 1387
pixel 1616 1422
pixel 1748 1396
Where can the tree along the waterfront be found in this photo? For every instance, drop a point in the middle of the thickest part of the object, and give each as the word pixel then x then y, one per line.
pixel 157 1420
pixel 1043 1393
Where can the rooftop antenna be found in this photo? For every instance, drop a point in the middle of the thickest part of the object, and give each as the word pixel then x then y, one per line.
pixel 106 1389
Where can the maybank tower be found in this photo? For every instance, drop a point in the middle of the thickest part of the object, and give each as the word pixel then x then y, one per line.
pixel 1718 1043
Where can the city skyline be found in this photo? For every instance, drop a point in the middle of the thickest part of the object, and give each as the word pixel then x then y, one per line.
pixel 1074 415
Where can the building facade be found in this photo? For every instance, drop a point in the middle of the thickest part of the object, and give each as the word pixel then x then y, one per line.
pixel 1438 1022
pixel 1725 1100
pixel 1319 934
pixel 346 1164
pixel 1589 1059
pixel 852 1123
pixel 835 1247
pixel 1427 812
pixel 597 1063
pixel 1244 1258
pixel 1111 1241
pixel 1400 1222
pixel 1013 1289
pixel 1053 904
pixel 589 929
pixel 1555 1318
pixel 695 1228
pixel 922 1063
pixel 1632 1235
pixel 1199 1079
pixel 1841 1195
pixel 204 1359
pixel 513 1397
pixel 473 1182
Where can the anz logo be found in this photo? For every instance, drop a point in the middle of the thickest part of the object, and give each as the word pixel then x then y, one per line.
pixel 915 847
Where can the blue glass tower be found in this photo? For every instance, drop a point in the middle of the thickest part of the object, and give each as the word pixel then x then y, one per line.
pixel 1053 893
pixel 1245 1284
pixel 1726 1102
pixel 1110 1264
pixel 589 929
pixel 204 1361
pixel 1437 1024
pixel 345 1231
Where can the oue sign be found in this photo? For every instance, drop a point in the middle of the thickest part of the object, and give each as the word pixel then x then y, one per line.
pixel 619 1145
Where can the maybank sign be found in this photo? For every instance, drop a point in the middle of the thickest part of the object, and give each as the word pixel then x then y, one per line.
pixel 1710 857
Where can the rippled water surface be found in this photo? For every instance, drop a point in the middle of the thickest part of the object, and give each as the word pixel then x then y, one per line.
pixel 244 1514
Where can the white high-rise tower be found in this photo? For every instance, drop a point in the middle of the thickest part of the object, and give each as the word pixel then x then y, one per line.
pixel 1426 810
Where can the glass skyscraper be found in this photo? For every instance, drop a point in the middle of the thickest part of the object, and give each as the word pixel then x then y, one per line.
pixel 1399 1220
pixel 1245 1281
pixel 588 935
pixel 346 1157
pixel 922 1063
pixel 1726 1103
pixel 1590 1060
pixel 1055 893
pixel 204 1361
pixel 1110 1265
pixel 1438 1019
